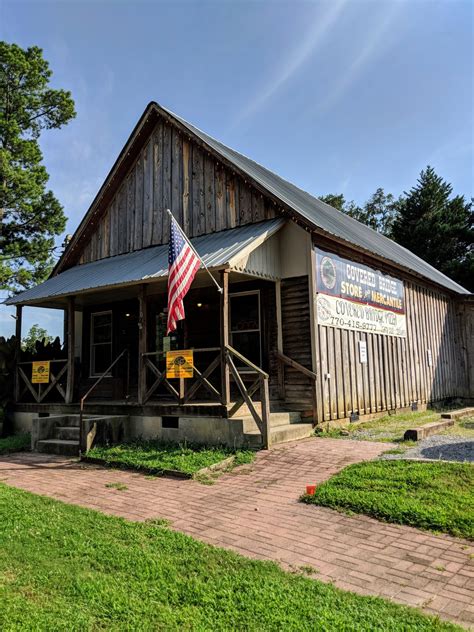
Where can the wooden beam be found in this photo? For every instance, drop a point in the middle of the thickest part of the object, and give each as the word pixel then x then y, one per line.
pixel 19 314
pixel 225 336
pixel 142 342
pixel 264 394
pixel 70 316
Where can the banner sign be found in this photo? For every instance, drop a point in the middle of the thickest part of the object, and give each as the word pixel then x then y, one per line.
pixel 179 364
pixel 40 372
pixel 353 296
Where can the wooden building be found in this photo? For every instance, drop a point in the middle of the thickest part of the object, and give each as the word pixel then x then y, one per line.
pixel 321 319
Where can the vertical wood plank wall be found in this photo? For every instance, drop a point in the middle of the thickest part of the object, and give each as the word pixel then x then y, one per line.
pixel 296 335
pixel 397 371
pixel 172 172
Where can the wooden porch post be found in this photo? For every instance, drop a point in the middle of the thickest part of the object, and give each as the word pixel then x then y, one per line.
pixel 225 336
pixel 142 339
pixel 71 326
pixel 280 367
pixel 16 377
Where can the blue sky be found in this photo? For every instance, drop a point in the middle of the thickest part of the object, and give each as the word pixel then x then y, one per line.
pixel 336 96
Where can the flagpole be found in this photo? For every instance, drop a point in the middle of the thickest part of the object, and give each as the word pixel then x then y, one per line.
pixel 194 250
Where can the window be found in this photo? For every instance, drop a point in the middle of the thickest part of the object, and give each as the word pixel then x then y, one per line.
pixel 245 325
pixel 101 343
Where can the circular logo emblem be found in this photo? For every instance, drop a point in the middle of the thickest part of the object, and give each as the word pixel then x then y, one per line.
pixel 324 309
pixel 179 361
pixel 328 273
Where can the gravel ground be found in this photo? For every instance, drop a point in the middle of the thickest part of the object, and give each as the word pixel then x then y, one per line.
pixel 443 447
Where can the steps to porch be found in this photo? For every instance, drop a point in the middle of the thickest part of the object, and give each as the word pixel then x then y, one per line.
pixel 60 434
pixel 284 426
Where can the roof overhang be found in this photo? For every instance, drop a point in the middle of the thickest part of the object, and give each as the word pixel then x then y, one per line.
pixel 222 250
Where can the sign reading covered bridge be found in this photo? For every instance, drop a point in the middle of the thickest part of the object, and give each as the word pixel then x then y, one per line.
pixel 353 296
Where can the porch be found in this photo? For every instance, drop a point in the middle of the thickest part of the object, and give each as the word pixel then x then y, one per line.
pixel 114 358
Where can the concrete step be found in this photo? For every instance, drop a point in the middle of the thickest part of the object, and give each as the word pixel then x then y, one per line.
pixel 280 434
pixel 65 420
pixel 66 447
pixel 67 433
pixel 276 419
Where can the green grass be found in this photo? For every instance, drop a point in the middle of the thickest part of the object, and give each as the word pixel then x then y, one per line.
pixel 64 568
pixel 434 496
pixel 154 456
pixel 15 443
pixel 391 428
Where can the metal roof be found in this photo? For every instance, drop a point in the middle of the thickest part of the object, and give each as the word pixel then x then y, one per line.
pixel 325 217
pixel 216 250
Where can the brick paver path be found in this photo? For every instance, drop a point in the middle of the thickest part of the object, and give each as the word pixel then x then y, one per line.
pixel 255 511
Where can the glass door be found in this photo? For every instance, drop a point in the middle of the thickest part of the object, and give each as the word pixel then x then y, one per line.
pixel 245 325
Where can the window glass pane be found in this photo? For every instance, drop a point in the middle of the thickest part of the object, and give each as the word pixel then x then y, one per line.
pixel 101 328
pixel 248 344
pixel 102 319
pixel 102 358
pixel 244 312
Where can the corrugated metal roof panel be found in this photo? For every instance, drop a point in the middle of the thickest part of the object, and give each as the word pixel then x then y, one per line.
pixel 325 217
pixel 216 250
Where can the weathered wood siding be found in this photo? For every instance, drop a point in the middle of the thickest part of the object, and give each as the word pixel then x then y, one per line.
pixel 173 172
pixel 296 338
pixel 397 371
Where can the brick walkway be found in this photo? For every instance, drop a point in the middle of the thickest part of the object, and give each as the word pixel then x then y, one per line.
pixel 255 511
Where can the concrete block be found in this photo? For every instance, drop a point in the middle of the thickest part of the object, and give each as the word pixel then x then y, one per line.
pixel 415 434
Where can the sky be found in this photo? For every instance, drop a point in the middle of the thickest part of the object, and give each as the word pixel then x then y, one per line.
pixel 335 96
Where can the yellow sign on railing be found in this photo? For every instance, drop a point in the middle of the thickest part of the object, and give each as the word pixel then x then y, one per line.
pixel 179 364
pixel 40 372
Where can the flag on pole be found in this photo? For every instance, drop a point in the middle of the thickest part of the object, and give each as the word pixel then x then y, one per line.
pixel 183 263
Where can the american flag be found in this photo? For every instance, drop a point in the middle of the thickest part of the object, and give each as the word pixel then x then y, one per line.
pixel 183 263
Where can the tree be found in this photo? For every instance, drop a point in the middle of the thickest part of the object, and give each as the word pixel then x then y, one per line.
pixel 378 212
pixel 437 227
pixel 31 215
pixel 35 334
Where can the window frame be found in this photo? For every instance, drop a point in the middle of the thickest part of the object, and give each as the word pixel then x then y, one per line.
pixel 93 344
pixel 245 368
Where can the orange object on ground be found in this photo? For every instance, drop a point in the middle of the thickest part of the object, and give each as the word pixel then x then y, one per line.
pixel 311 490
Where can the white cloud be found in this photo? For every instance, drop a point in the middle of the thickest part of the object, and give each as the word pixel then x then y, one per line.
pixel 324 20
pixel 376 41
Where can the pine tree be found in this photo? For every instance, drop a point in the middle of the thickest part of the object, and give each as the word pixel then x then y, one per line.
pixel 30 214
pixel 438 227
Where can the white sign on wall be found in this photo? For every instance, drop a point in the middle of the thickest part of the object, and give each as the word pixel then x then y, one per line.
pixel 353 296
pixel 363 351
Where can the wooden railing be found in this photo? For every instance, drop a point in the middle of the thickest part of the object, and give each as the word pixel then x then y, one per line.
pixel 188 388
pixel 82 433
pixel 261 382
pixel 42 390
pixel 285 360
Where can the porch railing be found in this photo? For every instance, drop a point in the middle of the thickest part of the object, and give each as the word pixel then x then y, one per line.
pixel 285 360
pixel 261 382
pixel 183 395
pixel 24 384
pixel 189 388
pixel 82 433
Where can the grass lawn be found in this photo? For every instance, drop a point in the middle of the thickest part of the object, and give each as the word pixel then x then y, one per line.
pixel 435 496
pixel 391 428
pixel 67 568
pixel 15 443
pixel 154 456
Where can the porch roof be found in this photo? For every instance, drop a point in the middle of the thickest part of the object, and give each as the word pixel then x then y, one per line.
pixel 217 250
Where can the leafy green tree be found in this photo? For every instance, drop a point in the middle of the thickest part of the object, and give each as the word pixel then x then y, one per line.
pixel 378 212
pixel 36 333
pixel 438 227
pixel 30 214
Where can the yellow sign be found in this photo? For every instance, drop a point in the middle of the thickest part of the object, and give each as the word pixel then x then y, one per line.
pixel 179 364
pixel 40 373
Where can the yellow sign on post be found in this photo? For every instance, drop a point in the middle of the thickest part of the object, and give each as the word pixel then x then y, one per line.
pixel 40 372
pixel 179 364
